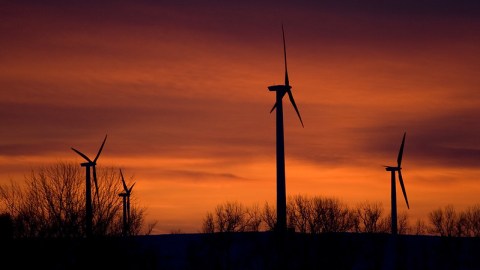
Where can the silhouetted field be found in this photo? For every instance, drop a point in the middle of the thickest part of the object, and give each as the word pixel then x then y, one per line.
pixel 263 250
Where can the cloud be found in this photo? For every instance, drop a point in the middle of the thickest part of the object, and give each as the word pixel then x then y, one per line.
pixel 192 175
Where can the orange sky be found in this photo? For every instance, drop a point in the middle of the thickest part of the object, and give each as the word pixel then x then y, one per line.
pixel 181 90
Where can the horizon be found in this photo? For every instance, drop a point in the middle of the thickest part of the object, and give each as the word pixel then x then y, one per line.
pixel 181 91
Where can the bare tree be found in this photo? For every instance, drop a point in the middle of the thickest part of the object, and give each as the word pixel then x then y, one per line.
pixel 445 222
pixel 254 218
pixel 472 221
pixel 10 196
pixel 150 226
pixel 299 212
pixel 403 227
pixel 232 217
pixel 229 217
pixel 369 215
pixel 269 217
pixel 319 215
pixel 436 219
pixel 334 215
pixel 421 227
pixel 208 225
pixel 402 224
pixel 52 203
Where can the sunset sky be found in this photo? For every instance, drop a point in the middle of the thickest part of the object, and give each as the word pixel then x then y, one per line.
pixel 181 91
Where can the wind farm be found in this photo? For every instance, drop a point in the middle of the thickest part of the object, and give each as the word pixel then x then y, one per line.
pixel 180 90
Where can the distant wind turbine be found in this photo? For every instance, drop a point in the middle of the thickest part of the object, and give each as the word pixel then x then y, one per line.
pixel 281 190
pixel 392 170
pixel 88 196
pixel 126 204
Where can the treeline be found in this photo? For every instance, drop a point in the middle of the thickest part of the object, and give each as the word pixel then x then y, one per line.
pixel 317 215
pixel 51 204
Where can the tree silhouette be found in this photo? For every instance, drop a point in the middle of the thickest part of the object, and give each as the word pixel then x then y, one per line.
pixel 316 215
pixel 232 217
pixel 254 218
pixel 331 215
pixel 52 203
pixel 445 221
pixel 369 217
pixel 471 217
pixel 299 212
pixel 269 217
pixel 208 225
pixel 304 214
pixel 385 224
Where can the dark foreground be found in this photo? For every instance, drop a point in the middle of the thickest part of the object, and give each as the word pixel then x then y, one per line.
pixel 262 250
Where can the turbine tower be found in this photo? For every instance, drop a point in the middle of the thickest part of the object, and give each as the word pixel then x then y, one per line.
pixel 88 197
pixel 281 189
pixel 392 171
pixel 126 204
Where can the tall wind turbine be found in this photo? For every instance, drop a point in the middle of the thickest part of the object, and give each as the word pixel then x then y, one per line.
pixel 392 171
pixel 126 204
pixel 88 196
pixel 281 190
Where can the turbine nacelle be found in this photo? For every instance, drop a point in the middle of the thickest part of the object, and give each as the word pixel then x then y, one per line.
pixel 85 164
pixel 392 169
pixel 279 88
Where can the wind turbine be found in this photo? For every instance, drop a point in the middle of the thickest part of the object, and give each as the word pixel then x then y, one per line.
pixel 281 190
pixel 126 204
pixel 392 171
pixel 88 196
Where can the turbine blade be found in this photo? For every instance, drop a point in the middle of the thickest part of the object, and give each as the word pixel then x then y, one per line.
pixel 123 181
pixel 285 57
pixel 130 190
pixel 96 183
pixel 273 108
pixel 81 154
pixel 275 105
pixel 400 153
pixel 295 106
pixel 403 187
pixel 99 151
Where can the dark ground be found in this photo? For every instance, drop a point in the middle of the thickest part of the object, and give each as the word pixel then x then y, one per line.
pixel 264 250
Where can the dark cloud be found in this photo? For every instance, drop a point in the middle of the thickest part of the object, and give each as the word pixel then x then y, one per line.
pixel 48 120
pixel 197 175
pixel 448 139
